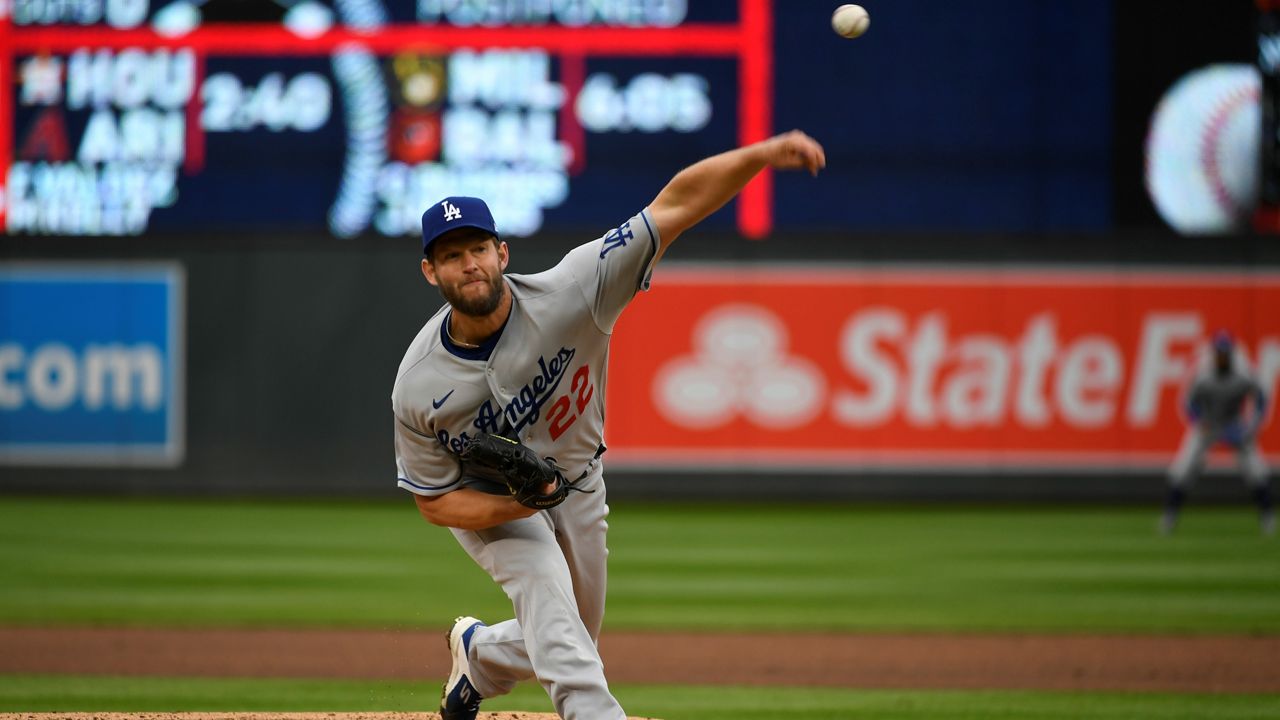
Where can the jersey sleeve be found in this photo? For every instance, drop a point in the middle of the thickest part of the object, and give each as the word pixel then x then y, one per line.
pixel 1259 393
pixel 1194 403
pixel 423 466
pixel 611 269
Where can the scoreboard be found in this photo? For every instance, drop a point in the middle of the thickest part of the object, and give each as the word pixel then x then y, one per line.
pixel 124 117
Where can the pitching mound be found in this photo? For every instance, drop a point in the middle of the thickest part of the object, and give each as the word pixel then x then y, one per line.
pixel 270 716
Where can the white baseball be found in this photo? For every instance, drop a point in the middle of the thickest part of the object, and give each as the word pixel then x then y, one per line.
pixel 1202 150
pixel 850 21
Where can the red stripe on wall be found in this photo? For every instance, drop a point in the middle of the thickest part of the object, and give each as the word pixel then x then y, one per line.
pixel 6 112
pixel 273 40
pixel 194 160
pixel 755 104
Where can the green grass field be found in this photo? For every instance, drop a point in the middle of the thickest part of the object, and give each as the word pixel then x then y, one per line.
pixel 844 568
pixel 194 563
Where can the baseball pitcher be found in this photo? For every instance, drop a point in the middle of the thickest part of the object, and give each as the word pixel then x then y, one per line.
pixel 1217 408
pixel 499 423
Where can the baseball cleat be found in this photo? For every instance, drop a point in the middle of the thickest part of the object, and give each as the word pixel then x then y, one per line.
pixel 1168 522
pixel 1268 522
pixel 459 699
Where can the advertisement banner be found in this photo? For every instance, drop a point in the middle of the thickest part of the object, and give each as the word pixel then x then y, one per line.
pixel 91 364
pixel 970 368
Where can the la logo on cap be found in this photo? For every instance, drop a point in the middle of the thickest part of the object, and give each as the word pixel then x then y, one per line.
pixel 451 212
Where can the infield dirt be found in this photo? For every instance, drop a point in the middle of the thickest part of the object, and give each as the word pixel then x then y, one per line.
pixel 1193 663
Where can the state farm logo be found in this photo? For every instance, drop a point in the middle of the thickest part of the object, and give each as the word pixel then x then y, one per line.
pixel 739 368
pixel 890 368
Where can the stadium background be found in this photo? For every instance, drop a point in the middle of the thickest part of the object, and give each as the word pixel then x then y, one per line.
pixel 992 139
pixel 995 135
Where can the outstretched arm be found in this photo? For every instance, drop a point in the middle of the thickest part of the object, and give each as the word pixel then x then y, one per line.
pixel 704 187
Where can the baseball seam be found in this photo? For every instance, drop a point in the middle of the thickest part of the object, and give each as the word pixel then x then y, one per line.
pixel 1209 160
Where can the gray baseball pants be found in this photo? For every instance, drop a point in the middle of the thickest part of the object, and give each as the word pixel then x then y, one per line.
pixel 552 566
pixel 1195 449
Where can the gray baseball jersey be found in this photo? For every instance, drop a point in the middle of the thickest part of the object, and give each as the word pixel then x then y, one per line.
pixel 541 379
pixel 1219 400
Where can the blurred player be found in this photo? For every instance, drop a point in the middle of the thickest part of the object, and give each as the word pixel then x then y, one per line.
pixel 1218 413
pixel 524 357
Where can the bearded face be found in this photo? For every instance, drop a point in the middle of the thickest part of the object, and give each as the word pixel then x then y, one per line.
pixel 476 296
pixel 467 265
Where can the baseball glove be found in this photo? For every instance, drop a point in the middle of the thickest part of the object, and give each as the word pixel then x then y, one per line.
pixel 525 474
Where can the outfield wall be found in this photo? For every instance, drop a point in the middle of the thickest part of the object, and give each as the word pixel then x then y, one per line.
pixel 955 367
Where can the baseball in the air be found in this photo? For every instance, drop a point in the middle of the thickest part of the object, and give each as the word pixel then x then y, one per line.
pixel 850 21
pixel 1202 150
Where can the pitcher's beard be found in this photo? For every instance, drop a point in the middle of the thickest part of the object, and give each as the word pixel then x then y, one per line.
pixel 477 307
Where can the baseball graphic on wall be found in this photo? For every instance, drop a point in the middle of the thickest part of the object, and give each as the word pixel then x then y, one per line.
pixel 1202 150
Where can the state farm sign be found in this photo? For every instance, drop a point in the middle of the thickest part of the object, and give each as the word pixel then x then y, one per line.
pixel 896 366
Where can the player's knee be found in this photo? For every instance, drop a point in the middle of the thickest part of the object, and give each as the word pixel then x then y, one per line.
pixel 532 566
pixel 548 580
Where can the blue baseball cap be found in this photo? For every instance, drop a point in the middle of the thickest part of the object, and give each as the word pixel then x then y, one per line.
pixel 451 213
pixel 1223 342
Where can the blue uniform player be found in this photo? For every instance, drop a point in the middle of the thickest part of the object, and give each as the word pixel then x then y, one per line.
pixel 1219 413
